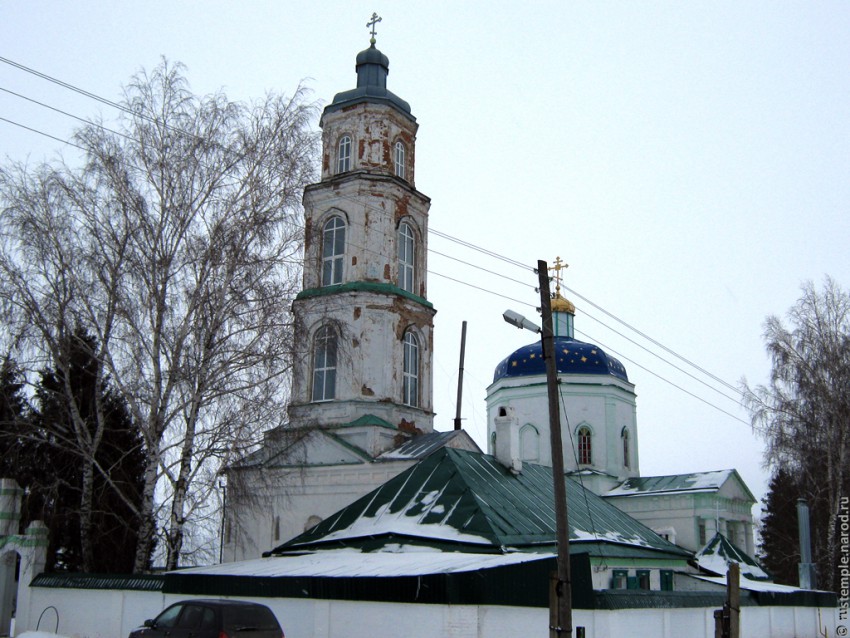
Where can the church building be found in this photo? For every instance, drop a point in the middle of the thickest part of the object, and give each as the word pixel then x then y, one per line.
pixel 600 435
pixel 357 517
pixel 361 409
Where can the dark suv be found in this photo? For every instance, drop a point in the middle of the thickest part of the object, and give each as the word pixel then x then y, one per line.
pixel 212 619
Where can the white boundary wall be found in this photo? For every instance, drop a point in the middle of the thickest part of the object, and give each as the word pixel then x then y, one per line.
pixel 113 613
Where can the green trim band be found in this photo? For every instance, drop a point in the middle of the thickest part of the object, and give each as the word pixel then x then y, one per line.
pixel 22 542
pixel 10 516
pixel 364 286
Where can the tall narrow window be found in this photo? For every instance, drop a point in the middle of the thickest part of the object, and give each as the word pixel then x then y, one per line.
pixel 529 443
pixel 410 390
pixel 324 365
pixel 343 157
pixel 626 448
pixel 585 455
pixel 406 258
pixel 333 250
pixel 399 160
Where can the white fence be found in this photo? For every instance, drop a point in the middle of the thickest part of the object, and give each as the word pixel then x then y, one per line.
pixel 113 613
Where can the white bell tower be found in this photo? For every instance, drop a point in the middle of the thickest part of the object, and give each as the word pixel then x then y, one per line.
pixel 363 319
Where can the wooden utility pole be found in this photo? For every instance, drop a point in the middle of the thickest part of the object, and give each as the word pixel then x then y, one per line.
pixel 733 588
pixel 561 618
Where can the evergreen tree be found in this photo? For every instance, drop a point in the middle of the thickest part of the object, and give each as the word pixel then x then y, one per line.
pixel 46 452
pixel 13 414
pixel 779 548
pixel 22 447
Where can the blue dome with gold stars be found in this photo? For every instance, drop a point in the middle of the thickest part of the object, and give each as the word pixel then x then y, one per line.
pixel 572 357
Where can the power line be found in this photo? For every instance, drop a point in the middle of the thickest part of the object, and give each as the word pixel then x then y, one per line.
pixel 459 241
pixel 653 341
pixel 470 245
pixel 36 131
pixel 67 85
pixel 71 115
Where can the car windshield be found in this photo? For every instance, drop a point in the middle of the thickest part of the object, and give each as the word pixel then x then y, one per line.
pixel 168 618
pixel 249 618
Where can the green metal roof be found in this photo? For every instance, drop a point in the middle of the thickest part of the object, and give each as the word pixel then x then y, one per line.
pixel 719 552
pixel 368 419
pixel 137 582
pixel 678 483
pixel 469 499
pixel 363 286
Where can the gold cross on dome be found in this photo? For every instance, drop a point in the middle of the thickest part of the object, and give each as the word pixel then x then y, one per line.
pixel 372 22
pixel 558 267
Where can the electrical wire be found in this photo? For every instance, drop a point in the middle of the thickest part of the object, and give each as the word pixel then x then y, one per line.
pixel 514 262
pixel 456 240
pixel 71 115
pixel 32 130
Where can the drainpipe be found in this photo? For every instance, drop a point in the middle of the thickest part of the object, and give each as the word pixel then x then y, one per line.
pixel 806 568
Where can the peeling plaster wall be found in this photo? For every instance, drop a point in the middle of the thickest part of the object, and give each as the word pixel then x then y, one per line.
pixel 374 129
pixel 370 358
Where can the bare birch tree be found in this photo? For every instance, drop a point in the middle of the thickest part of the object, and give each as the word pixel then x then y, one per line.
pixel 804 410
pixel 178 246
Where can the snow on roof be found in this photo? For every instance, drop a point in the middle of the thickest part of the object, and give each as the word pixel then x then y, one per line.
pixel 393 560
pixel 719 552
pixel 422 445
pixel 465 497
pixel 695 482
pixel 410 521
pixel 752 585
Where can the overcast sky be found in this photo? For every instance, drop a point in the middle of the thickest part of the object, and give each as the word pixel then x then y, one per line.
pixel 689 160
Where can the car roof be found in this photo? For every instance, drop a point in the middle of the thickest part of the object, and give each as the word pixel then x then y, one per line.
pixel 220 601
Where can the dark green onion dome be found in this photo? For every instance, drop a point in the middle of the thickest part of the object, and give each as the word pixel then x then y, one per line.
pixel 372 68
pixel 572 357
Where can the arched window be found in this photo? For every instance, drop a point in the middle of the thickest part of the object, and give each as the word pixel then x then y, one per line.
pixel 400 166
pixel 406 258
pixel 410 389
pixel 585 451
pixel 625 436
pixel 333 250
pixel 529 443
pixel 343 156
pixel 324 364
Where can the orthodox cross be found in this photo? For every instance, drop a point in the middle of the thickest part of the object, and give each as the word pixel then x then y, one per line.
pixel 558 267
pixel 375 20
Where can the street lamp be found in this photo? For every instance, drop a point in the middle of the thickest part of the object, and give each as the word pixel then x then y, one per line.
pixel 516 319
pixel 560 614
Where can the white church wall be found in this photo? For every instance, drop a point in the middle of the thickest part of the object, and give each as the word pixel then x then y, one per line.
pixel 658 512
pixel 102 613
pixel 292 499
pixel 601 403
